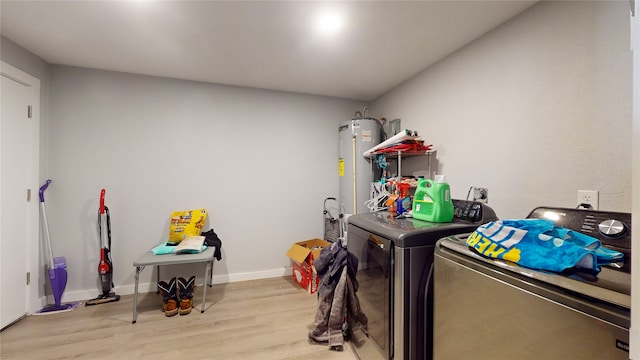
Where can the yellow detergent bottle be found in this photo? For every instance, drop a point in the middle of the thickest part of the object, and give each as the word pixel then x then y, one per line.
pixel 432 201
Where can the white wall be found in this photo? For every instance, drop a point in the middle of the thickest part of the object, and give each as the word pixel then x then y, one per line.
pixel 260 161
pixel 534 110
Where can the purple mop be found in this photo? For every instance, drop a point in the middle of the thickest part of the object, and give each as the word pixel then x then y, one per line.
pixel 57 267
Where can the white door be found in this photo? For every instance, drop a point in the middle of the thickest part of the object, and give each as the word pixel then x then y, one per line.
pixel 17 222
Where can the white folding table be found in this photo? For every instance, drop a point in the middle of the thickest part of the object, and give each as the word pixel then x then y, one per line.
pixel 148 259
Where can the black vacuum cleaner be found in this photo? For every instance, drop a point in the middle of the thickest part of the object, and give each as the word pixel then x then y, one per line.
pixel 105 266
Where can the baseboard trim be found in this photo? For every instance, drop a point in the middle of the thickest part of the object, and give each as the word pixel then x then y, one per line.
pixel 83 295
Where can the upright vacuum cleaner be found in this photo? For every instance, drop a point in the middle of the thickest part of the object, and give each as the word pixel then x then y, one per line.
pixel 57 266
pixel 105 266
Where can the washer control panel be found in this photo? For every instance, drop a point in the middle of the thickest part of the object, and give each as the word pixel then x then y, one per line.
pixel 613 229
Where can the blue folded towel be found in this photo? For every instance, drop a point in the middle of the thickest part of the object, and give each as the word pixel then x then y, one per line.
pixel 540 245
pixel 164 249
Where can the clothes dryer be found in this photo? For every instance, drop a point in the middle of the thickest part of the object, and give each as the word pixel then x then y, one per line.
pixel 395 277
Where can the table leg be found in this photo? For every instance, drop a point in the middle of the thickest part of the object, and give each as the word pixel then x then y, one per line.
pixel 135 294
pixel 157 279
pixel 204 286
pixel 210 277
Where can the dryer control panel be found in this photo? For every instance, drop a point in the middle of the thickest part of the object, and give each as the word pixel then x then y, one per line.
pixel 472 211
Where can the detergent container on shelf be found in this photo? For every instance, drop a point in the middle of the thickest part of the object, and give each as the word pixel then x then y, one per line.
pixel 432 200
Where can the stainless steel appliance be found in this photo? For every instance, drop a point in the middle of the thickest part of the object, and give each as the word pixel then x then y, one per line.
pixel 395 277
pixel 493 309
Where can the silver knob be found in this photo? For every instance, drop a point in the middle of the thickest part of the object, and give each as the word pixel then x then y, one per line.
pixel 611 228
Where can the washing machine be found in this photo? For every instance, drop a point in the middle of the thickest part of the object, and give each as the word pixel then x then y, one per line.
pixel 395 277
pixel 493 309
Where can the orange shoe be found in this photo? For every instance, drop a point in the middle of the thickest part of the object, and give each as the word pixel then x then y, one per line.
pixel 169 297
pixel 185 289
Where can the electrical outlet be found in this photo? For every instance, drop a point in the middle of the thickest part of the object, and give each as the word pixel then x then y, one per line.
pixel 588 197
pixel 479 194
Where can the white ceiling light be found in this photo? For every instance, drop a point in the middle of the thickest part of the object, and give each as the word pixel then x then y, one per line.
pixel 329 23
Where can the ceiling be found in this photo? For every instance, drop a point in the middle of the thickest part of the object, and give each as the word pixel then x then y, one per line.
pixel 374 46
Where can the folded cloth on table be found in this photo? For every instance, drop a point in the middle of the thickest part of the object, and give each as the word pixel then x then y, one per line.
pixel 540 244
pixel 164 249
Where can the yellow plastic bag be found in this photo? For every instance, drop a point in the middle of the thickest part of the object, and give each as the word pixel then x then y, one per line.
pixel 185 224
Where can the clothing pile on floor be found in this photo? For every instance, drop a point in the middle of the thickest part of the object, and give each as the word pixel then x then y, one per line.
pixel 339 316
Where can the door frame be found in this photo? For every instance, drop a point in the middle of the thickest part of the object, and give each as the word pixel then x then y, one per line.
pixel 634 352
pixel 33 266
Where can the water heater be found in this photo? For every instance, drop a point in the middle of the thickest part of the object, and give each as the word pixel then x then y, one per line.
pixel 356 172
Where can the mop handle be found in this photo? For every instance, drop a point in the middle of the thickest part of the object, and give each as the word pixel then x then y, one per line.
pixel 102 201
pixel 43 188
pixel 46 224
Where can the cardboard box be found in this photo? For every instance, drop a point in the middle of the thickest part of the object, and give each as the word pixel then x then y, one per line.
pixel 302 254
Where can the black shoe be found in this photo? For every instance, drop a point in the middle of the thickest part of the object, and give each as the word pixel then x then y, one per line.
pixel 185 289
pixel 169 298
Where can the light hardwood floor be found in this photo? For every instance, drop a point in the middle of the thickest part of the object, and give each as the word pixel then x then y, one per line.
pixel 260 319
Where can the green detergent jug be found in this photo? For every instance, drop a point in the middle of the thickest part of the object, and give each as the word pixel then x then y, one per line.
pixel 432 201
